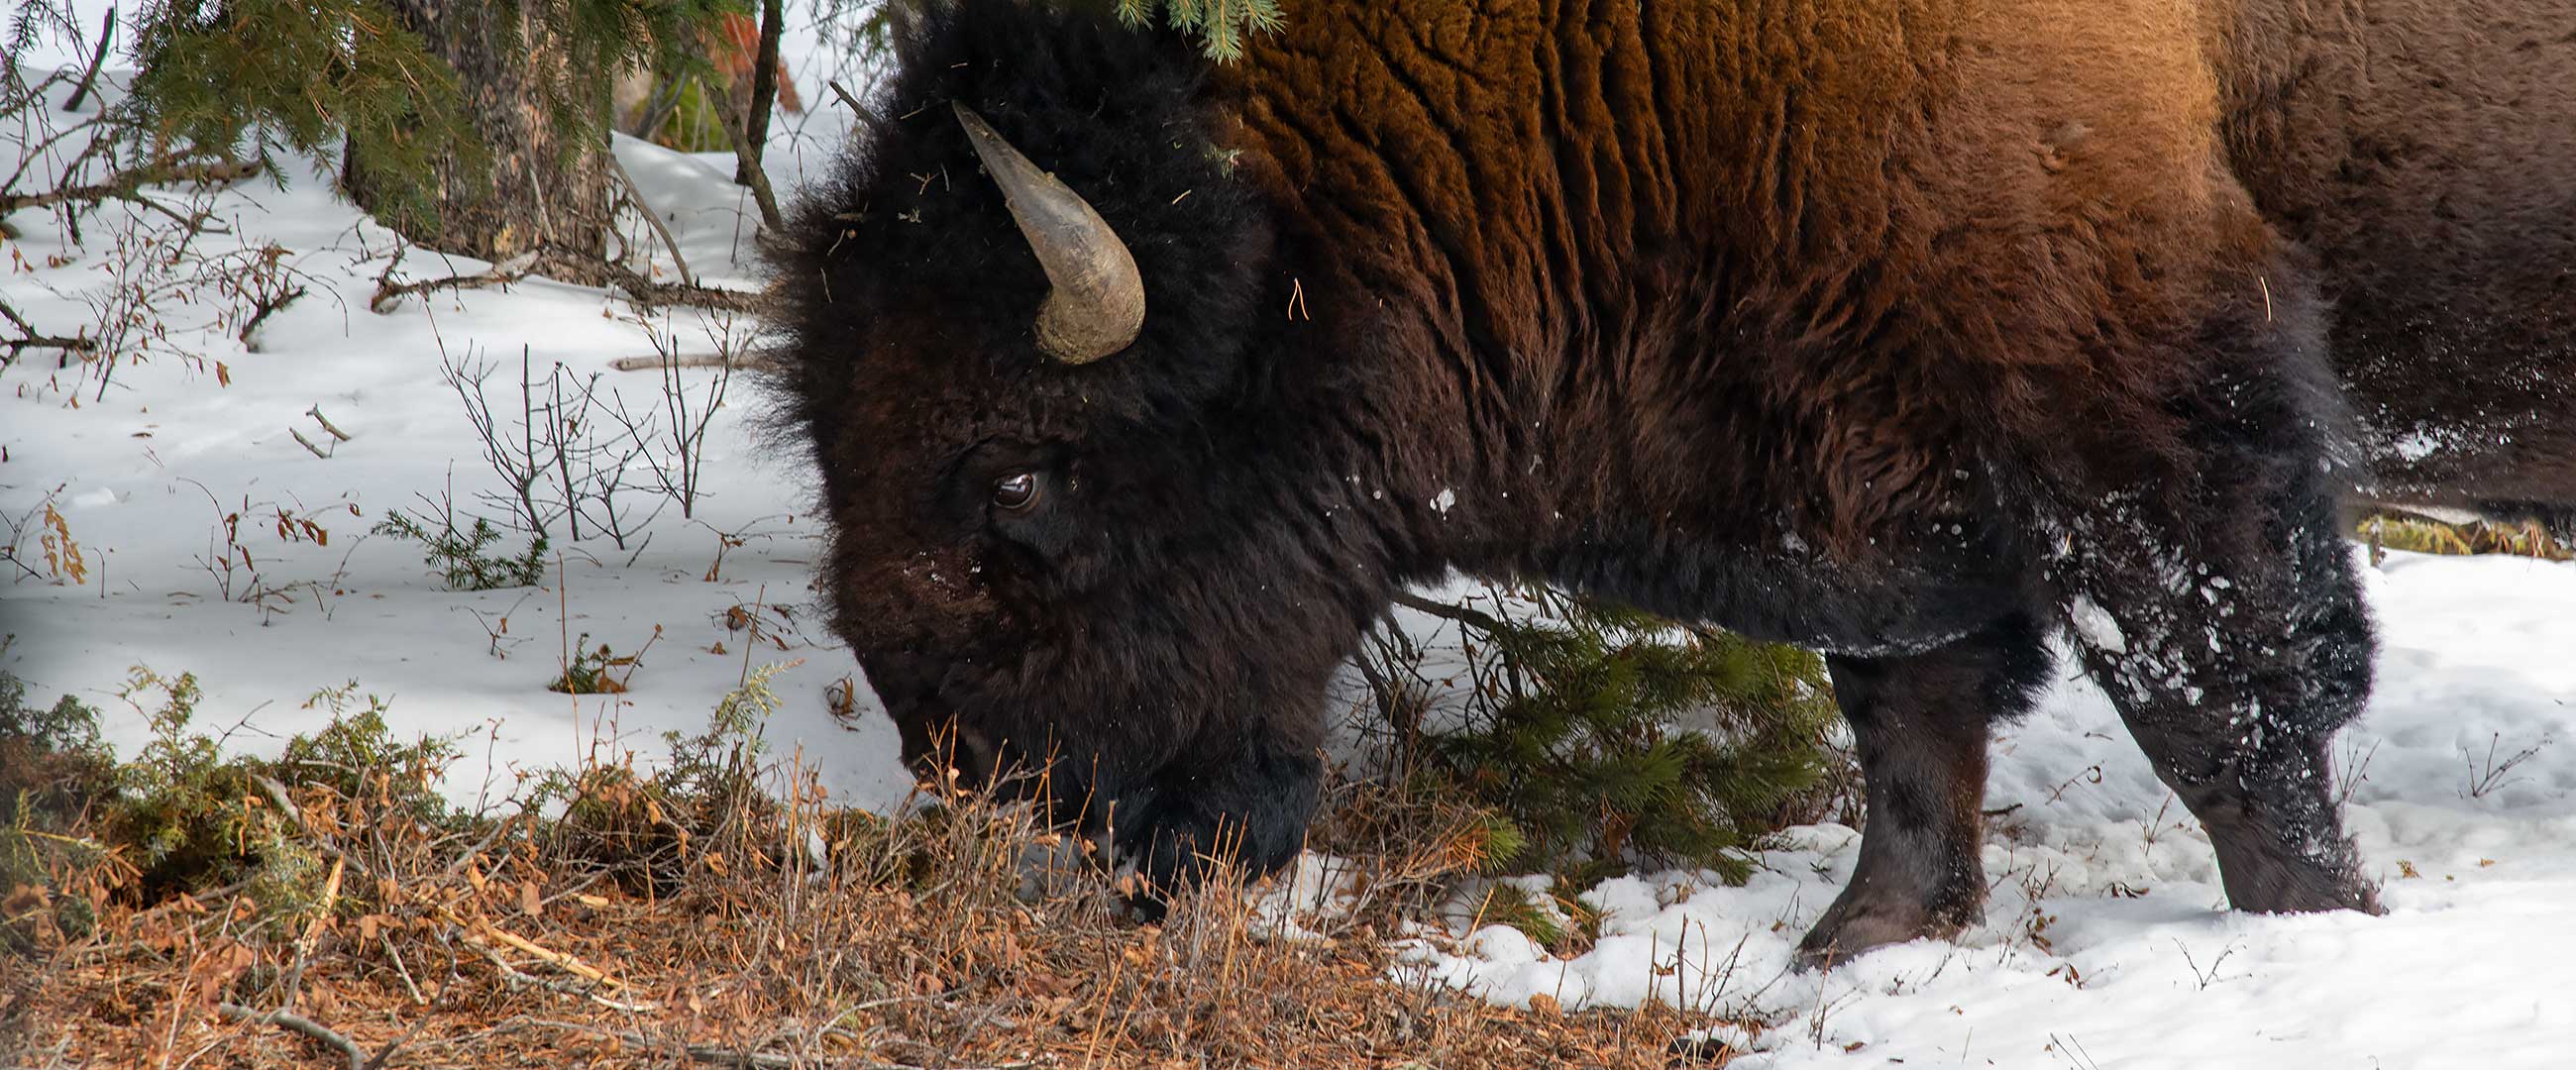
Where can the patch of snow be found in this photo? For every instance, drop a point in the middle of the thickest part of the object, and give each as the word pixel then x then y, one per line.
pixel 2423 442
pixel 2094 625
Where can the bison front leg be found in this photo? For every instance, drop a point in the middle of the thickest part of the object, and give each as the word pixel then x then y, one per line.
pixel 2232 637
pixel 1921 723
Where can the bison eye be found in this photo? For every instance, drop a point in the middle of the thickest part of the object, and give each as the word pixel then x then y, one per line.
pixel 1016 492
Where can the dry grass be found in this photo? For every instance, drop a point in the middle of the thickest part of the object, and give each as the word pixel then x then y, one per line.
pixel 739 928
pixel 2424 535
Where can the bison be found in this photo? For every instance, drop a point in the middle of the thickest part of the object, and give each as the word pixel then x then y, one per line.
pixel 1912 331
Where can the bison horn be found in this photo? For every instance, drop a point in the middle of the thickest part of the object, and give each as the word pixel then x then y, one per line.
pixel 1097 305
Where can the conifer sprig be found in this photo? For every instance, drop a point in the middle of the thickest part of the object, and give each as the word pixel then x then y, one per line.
pixel 1595 736
pixel 1221 24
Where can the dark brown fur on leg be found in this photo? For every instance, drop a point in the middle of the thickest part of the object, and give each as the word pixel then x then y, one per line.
pixel 2220 611
pixel 1921 724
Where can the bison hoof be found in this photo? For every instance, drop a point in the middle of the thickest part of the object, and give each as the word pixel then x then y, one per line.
pixel 1858 924
pixel 2268 882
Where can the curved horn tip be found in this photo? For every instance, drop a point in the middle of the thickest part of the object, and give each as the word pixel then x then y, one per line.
pixel 1096 304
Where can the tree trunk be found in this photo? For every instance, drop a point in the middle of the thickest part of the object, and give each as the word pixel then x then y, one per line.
pixel 547 189
pixel 764 84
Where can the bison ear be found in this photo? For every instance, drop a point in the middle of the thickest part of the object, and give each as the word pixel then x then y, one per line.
pixel 1097 304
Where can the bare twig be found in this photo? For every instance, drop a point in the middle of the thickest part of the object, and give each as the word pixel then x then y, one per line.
pixel 308 444
pixel 387 1055
pixel 645 208
pixel 1484 622
pixel 747 163
pixel 297 1023
pixel 866 113
pixel 262 307
pixel 80 93
pixel 316 413
pixel 651 294
pixel 2491 776
pixel 585 989
pixel 549 956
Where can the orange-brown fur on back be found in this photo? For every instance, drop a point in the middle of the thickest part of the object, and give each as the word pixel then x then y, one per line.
pixel 1941 223
pixel 1937 224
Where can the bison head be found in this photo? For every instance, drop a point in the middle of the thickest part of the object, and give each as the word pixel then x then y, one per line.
pixel 1078 527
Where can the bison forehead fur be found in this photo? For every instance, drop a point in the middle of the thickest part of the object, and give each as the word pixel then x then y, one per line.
pixel 1906 330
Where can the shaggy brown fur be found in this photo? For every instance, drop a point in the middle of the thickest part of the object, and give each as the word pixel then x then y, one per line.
pixel 2424 152
pixel 1907 330
pixel 1930 205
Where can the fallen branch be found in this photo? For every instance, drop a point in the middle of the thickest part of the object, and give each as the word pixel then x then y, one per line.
pixel 127 186
pixel 389 292
pixel 297 1023
pixel 653 294
pixel 693 360
pixel 556 959
pixel 29 339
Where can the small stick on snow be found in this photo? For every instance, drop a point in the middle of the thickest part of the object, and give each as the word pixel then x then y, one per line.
pixel 316 413
pixel 694 360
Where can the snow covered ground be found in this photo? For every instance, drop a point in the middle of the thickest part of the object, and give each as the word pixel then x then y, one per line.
pixel 2105 946
pixel 194 426
pixel 2106 942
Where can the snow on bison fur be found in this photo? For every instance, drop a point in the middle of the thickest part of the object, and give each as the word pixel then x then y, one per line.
pixel 1913 331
